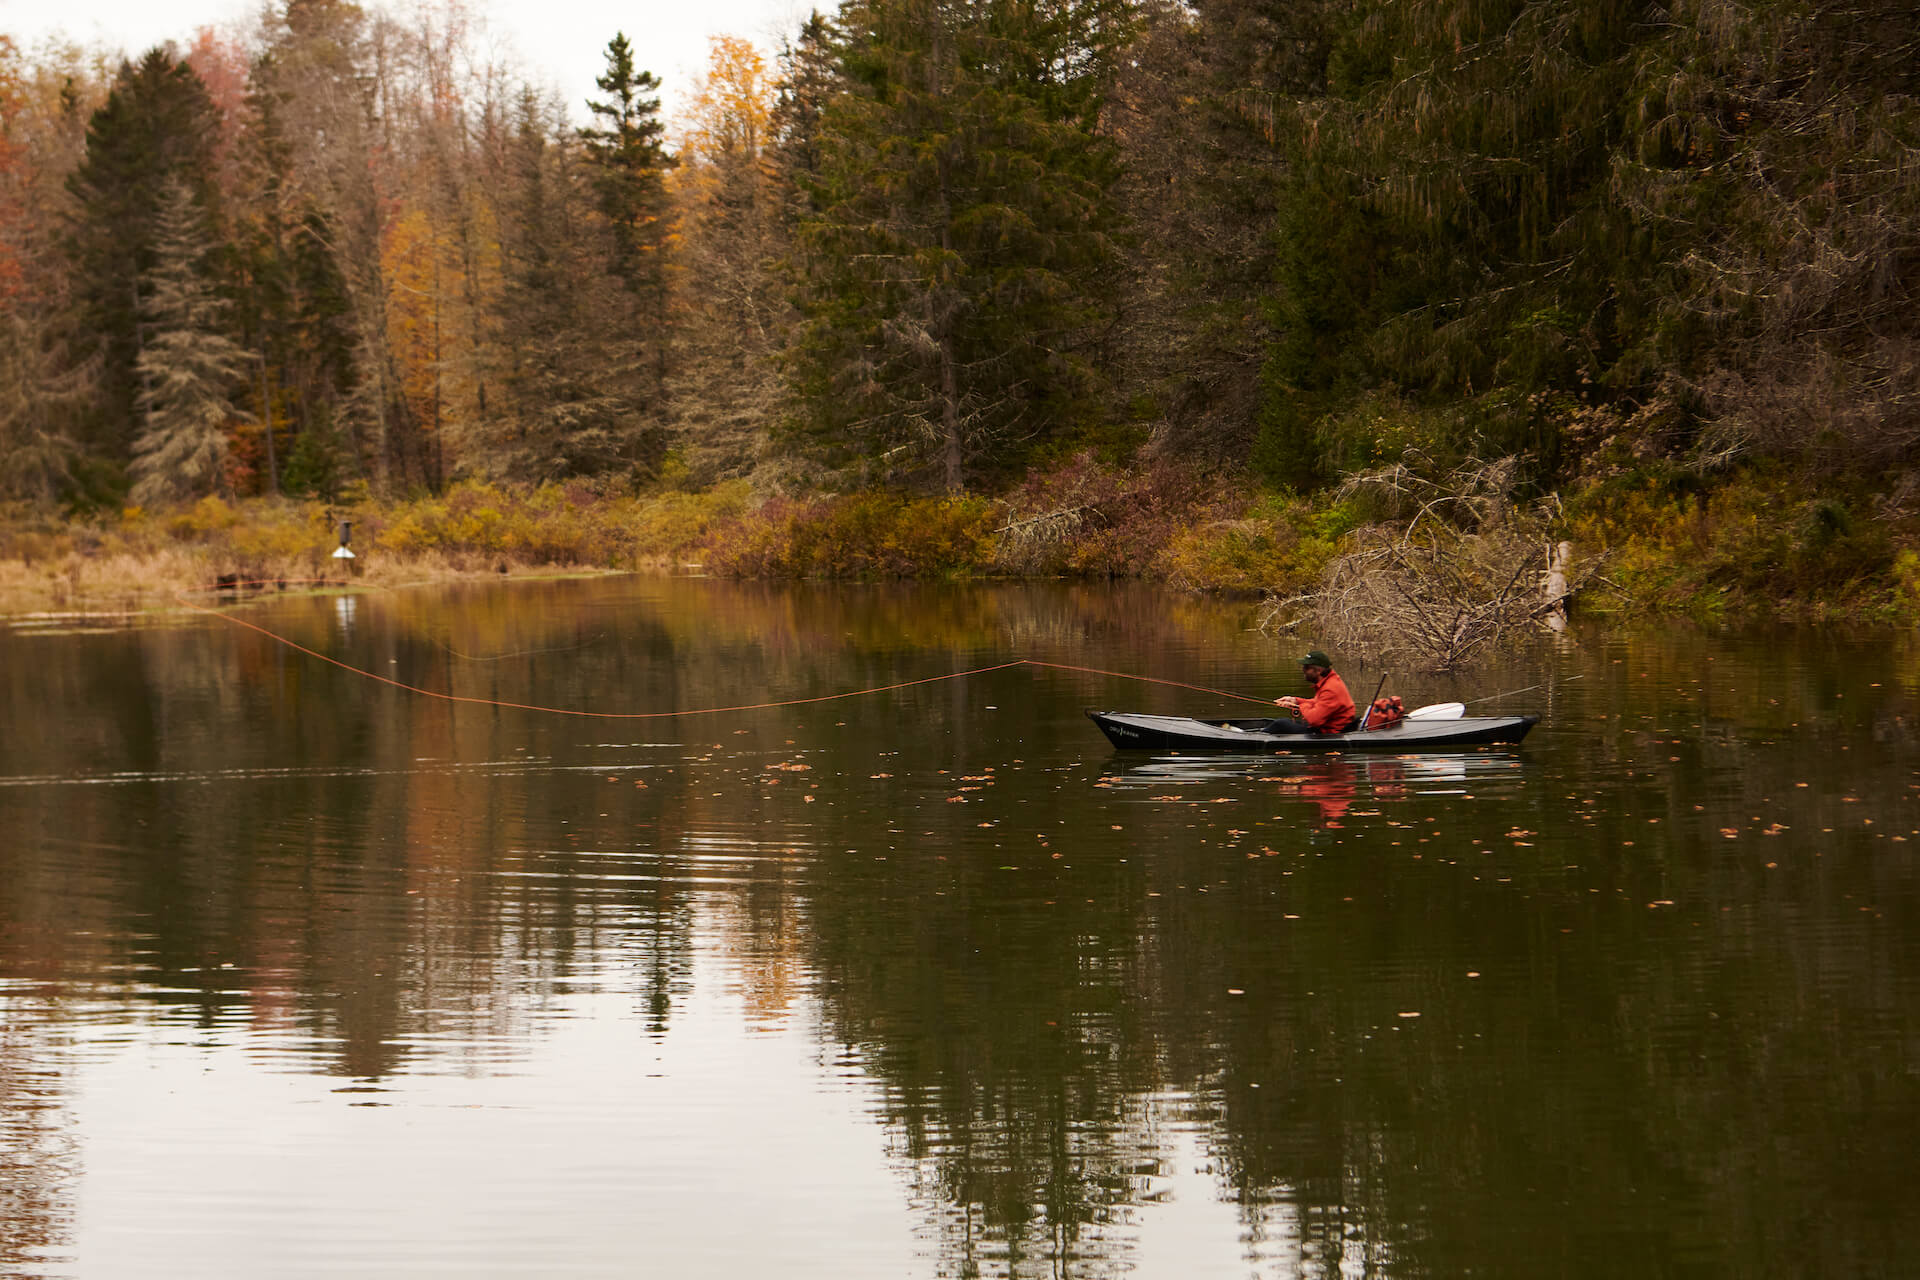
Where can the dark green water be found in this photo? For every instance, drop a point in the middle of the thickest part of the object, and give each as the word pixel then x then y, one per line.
pixel 304 975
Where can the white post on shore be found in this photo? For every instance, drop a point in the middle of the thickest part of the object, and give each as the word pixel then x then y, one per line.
pixel 343 552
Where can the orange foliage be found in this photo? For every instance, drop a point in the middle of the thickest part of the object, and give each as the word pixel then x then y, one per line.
pixel 221 64
pixel 12 172
pixel 722 181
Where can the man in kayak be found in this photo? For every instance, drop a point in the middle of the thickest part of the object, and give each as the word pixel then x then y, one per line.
pixel 1329 710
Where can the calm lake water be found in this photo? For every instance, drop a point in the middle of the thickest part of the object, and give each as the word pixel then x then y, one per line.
pixel 301 974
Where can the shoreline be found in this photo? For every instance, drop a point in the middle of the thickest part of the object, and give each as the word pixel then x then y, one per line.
pixel 1761 547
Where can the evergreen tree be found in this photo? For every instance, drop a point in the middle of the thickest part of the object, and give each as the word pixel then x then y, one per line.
pixel 809 71
pixel 957 268
pixel 43 397
pixel 187 367
pixel 1448 231
pixel 563 323
pixel 333 76
pixel 1201 113
pixel 313 464
pixel 1769 165
pixel 155 128
pixel 628 150
pixel 44 392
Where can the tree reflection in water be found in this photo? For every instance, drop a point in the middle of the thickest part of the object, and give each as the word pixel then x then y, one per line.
pixel 1063 967
pixel 38 1157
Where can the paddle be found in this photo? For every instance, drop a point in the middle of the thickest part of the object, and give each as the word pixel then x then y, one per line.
pixel 1368 715
pixel 1439 711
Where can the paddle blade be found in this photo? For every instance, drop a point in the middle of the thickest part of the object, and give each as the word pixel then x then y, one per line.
pixel 1439 711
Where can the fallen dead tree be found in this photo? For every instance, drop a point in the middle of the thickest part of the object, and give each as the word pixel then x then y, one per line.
pixel 1034 543
pixel 1453 572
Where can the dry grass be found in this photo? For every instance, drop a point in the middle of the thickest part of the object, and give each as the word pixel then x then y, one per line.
pixel 125 584
pixel 142 562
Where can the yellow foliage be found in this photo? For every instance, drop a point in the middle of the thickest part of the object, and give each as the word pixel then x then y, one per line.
pixel 727 112
pixel 206 516
pixel 675 524
pixel 411 253
pixel 284 535
pixel 1906 587
pixel 1754 541
pixel 1285 551
pixel 870 535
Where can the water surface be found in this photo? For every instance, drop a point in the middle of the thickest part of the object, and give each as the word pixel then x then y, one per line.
pixel 303 974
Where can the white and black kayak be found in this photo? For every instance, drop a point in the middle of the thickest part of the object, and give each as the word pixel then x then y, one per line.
pixel 1128 729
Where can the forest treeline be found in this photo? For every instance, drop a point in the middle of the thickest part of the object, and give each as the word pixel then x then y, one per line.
pixel 941 248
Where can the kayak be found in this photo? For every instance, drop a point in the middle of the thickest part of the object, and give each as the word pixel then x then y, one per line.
pixel 1129 729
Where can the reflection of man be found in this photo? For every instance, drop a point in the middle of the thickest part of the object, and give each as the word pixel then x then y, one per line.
pixel 1329 710
pixel 1331 788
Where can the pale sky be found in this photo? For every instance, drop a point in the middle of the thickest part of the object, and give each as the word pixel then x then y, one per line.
pixel 559 43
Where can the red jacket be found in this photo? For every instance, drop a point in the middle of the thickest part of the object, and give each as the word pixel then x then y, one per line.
pixel 1330 709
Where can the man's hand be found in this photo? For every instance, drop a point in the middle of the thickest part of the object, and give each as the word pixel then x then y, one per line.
pixel 1290 702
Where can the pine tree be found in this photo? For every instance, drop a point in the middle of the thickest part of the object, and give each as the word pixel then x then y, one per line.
pixel 45 393
pixel 156 127
pixel 1448 233
pixel 958 265
pixel 1769 163
pixel 809 76
pixel 628 151
pixel 187 367
pixel 43 397
pixel 1200 114
pixel 563 322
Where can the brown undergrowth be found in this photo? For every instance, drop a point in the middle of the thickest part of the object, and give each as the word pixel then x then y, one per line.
pixel 1400 556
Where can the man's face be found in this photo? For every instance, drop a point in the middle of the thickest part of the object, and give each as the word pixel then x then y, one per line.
pixel 1313 674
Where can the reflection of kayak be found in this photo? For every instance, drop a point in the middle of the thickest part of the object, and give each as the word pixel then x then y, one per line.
pixel 1129 729
pixel 1384 775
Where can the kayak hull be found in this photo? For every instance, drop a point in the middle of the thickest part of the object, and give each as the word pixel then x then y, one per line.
pixel 1133 731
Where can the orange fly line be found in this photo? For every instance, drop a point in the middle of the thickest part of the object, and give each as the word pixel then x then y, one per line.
pixel 297 647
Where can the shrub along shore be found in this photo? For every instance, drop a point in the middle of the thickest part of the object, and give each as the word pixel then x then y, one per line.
pixel 1754 543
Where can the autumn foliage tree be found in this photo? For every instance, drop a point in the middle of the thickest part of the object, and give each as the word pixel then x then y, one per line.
pixel 12 163
pixel 935 243
pixel 734 308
